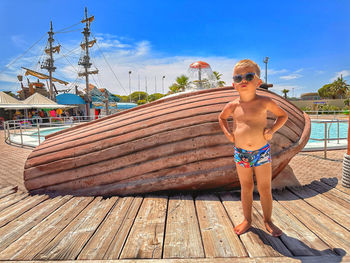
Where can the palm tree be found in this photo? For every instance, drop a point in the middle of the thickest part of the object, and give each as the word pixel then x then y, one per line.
pixel 339 87
pixel 218 77
pixel 285 91
pixel 180 85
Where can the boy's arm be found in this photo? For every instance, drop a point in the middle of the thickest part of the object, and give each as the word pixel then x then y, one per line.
pixel 223 116
pixel 282 117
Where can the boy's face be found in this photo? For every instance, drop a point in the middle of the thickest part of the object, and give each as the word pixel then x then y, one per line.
pixel 246 85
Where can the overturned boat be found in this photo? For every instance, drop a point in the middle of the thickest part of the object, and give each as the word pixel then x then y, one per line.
pixel 171 144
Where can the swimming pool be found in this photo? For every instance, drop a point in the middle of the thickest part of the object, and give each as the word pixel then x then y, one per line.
pixel 318 132
pixel 46 131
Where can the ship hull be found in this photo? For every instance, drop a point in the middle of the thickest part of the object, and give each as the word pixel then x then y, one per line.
pixel 174 144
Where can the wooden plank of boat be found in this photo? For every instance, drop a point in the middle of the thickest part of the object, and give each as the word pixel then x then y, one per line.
pixel 182 236
pixel 68 243
pixel 251 240
pixel 329 231
pixel 296 236
pixel 40 235
pixel 172 133
pixel 147 233
pixel 219 239
pixel 5 191
pixel 119 240
pixel 16 228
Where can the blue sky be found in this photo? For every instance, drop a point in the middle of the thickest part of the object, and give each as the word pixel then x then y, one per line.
pixel 307 41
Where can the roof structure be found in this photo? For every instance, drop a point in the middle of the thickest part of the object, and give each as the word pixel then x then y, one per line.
pixel 69 98
pixel 7 99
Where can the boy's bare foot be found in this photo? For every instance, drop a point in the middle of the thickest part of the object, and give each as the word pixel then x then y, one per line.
pixel 272 229
pixel 242 227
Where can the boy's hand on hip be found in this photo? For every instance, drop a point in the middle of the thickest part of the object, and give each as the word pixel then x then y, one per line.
pixel 268 134
pixel 231 138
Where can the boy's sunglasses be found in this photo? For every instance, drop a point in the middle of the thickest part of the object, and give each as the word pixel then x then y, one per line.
pixel 248 77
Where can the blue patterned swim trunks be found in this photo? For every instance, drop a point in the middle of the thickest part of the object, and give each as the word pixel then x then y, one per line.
pixel 255 158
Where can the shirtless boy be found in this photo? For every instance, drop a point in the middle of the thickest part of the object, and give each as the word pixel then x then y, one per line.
pixel 250 137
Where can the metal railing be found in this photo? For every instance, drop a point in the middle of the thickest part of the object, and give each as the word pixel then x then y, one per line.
pixel 334 113
pixel 18 132
pixel 327 138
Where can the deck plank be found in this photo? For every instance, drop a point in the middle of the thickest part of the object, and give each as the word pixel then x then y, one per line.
pixel 182 236
pixel 127 222
pixel 68 243
pixel 14 211
pixel 98 245
pixel 338 213
pixel 219 238
pixel 332 193
pixel 146 236
pixel 334 182
pixel 296 236
pixel 251 239
pixel 19 226
pixel 330 232
pixel 40 235
pixel 6 190
pixel 11 199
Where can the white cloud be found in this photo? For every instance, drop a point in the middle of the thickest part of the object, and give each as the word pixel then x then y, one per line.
pixel 291 76
pixel 344 73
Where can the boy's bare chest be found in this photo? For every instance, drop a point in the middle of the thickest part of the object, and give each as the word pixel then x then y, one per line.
pixel 250 112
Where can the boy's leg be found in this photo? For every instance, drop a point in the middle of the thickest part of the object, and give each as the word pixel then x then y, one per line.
pixel 247 185
pixel 263 174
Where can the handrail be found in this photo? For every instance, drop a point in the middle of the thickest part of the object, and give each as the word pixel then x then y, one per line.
pixel 327 139
pixel 23 127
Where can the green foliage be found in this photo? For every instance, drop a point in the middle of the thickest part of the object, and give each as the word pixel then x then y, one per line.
pixel 140 102
pixel 138 95
pixel 328 109
pixel 337 89
pixel 218 77
pixel 306 108
pixel 155 96
pixel 122 98
pixel 180 85
pixel 285 91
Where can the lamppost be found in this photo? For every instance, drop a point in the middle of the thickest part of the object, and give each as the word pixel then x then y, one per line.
pixel 130 85
pixel 266 60
pixel 163 84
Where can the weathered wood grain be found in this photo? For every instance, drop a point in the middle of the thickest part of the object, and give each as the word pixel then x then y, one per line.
pixel 98 245
pixel 334 182
pixel 147 233
pixel 117 244
pixel 251 240
pixel 219 238
pixel 324 204
pixel 14 211
pixel 18 227
pixel 182 236
pixel 11 199
pixel 29 244
pixel 296 236
pixel 330 232
pixel 68 243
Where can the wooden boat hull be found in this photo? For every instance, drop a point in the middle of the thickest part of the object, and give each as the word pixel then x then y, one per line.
pixel 171 144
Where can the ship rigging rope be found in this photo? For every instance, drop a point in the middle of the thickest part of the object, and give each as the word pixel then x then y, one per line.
pixel 67 59
pixel 109 64
pixel 25 52
pixel 61 30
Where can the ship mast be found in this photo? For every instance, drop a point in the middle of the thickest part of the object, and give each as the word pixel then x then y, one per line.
pixel 48 64
pixel 85 60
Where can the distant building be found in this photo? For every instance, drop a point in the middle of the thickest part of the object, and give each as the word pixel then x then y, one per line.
pixel 310 96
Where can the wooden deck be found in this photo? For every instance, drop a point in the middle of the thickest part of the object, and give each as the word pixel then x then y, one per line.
pixel 175 228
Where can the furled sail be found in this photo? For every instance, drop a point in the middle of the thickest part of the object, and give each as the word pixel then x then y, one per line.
pixel 42 76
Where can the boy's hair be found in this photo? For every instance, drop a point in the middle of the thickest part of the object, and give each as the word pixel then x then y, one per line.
pixel 248 63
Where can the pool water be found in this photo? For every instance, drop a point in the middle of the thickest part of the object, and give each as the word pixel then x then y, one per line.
pixel 45 132
pixel 317 130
